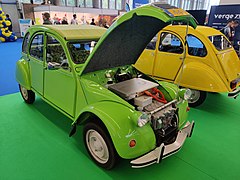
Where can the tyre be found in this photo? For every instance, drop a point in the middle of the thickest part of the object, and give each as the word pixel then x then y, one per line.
pixel 99 145
pixel 27 95
pixel 197 98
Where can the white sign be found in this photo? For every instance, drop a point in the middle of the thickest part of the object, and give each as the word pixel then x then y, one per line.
pixel 24 25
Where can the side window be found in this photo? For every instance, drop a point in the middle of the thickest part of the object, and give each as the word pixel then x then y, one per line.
pixel 25 43
pixel 36 49
pixel 195 46
pixel 56 56
pixel 170 43
pixel 152 43
pixel 80 51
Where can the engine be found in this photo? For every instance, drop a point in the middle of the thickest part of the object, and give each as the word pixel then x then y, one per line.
pixel 145 96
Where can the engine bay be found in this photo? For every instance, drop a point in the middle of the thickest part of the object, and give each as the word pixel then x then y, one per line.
pixel 147 98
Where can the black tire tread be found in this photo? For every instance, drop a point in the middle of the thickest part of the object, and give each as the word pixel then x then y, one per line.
pixel 202 98
pixel 31 96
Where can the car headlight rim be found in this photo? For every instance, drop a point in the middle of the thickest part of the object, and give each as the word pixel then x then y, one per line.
pixel 187 94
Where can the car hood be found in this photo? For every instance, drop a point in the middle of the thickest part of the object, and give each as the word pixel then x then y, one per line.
pixel 125 40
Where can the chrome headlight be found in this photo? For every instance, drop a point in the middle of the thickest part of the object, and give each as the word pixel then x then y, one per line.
pixel 143 119
pixel 185 94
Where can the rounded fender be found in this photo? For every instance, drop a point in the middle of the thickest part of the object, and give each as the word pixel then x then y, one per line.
pixel 22 73
pixel 121 123
pixel 201 77
pixel 172 89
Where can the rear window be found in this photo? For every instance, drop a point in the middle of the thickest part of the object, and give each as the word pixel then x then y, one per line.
pixel 220 42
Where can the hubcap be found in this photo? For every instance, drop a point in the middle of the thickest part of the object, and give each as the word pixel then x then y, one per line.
pixel 97 146
pixel 24 92
pixel 195 96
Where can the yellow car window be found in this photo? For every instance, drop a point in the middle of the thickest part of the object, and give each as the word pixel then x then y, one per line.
pixel 170 43
pixel 195 46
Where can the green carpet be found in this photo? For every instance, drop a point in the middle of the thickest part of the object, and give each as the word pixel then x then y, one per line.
pixel 34 144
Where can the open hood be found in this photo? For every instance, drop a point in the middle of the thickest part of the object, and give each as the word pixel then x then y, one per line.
pixel 125 40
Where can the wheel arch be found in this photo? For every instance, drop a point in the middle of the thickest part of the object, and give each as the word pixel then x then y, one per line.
pixel 200 76
pixel 121 124
pixel 22 74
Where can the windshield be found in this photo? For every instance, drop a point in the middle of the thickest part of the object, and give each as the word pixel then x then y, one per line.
pixel 220 42
pixel 81 50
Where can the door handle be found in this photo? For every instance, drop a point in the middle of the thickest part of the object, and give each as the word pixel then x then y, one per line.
pixel 152 53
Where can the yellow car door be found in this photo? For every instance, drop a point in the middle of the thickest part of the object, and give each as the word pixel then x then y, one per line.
pixel 169 56
pixel 146 61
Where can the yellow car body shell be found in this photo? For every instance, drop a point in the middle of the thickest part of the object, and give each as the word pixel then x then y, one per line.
pixel 212 73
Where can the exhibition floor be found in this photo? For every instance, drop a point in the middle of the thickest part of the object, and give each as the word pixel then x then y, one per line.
pixel 34 142
pixel 35 145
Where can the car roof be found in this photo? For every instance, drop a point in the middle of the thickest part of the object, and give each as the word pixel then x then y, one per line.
pixel 204 30
pixel 72 32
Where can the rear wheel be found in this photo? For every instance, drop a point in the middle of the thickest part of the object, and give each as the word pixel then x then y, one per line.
pixel 27 95
pixel 99 145
pixel 197 98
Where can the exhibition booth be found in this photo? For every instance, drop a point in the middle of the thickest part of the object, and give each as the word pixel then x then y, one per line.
pixel 84 15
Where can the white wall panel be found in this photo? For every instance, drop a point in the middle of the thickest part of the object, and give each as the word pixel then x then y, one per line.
pixel 229 2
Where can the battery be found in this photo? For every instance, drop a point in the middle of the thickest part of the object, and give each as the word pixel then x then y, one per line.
pixel 142 101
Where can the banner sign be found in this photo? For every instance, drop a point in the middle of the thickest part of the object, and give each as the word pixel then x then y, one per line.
pixel 137 3
pixel 219 15
pixel 24 25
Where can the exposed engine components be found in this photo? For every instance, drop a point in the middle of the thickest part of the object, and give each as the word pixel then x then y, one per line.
pixel 132 88
pixel 142 101
pixel 155 94
pixel 145 96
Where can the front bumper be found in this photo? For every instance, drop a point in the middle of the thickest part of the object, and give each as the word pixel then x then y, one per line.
pixel 163 151
pixel 234 94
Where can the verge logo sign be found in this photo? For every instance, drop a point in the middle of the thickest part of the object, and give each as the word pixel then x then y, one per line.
pixel 219 15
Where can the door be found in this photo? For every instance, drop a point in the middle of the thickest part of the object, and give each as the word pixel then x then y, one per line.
pixel 59 82
pixel 36 52
pixel 168 57
pixel 145 63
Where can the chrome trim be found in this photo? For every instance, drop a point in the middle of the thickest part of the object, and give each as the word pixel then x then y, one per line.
pixel 163 151
pixel 163 107
pixel 234 93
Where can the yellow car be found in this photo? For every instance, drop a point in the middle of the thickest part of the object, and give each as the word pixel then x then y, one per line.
pixel 210 62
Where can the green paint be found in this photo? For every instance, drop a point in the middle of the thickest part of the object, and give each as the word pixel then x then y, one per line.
pixel 76 94
pixel 35 145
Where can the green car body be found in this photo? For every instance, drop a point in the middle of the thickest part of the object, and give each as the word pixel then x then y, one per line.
pixel 80 90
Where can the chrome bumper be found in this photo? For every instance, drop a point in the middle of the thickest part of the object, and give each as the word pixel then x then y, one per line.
pixel 163 151
pixel 234 94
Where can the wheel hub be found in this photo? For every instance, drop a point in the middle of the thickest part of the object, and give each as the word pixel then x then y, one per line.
pixel 24 93
pixel 97 146
pixel 195 96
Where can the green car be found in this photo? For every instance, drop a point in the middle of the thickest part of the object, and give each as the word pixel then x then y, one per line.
pixel 86 73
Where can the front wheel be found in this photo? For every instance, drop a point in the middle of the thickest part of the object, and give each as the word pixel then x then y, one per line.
pixel 99 145
pixel 27 95
pixel 197 98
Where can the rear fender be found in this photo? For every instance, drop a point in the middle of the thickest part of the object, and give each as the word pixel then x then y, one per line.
pixel 22 73
pixel 199 76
